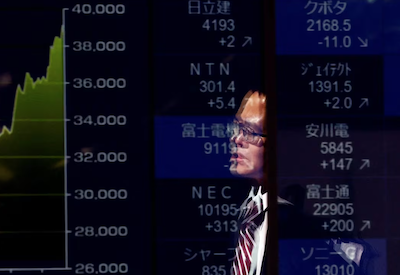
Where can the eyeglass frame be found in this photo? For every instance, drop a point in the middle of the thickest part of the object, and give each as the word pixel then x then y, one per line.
pixel 250 131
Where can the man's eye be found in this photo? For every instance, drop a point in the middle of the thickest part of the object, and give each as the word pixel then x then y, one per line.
pixel 249 131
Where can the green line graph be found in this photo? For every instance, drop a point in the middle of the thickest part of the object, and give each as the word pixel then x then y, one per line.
pixel 33 169
pixel 37 127
pixel 32 150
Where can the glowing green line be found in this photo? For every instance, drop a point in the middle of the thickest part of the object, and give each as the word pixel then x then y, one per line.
pixel 40 120
pixel 31 157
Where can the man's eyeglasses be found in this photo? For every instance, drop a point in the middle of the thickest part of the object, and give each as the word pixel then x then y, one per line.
pixel 249 135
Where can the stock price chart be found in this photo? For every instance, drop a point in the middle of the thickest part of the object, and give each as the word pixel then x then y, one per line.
pixel 72 83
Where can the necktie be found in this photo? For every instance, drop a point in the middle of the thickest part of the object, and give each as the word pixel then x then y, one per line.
pixel 251 221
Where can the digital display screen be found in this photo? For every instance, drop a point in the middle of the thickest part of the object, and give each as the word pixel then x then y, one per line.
pixel 336 130
pixel 200 137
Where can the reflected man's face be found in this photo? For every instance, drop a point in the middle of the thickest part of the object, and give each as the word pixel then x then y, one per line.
pixel 248 160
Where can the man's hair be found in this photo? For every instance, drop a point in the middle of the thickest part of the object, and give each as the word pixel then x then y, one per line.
pixel 262 98
pixel 262 95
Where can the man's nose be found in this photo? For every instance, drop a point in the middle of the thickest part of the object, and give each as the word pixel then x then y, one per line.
pixel 238 139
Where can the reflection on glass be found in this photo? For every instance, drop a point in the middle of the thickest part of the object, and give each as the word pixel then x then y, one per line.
pixel 305 247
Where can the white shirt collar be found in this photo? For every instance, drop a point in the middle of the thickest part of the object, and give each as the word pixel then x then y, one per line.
pixel 258 197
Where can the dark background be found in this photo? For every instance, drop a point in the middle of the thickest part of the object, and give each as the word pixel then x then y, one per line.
pixel 162 40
